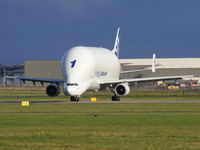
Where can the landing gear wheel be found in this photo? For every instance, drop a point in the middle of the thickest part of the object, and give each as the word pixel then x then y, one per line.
pixel 74 99
pixel 115 98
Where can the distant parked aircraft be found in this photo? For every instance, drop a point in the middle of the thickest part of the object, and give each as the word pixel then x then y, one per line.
pixel 92 69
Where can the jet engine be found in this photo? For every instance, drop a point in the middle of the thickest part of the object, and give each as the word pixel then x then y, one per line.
pixel 122 89
pixel 53 90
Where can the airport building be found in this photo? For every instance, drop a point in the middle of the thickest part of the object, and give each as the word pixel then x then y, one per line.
pixel 11 70
pixel 164 67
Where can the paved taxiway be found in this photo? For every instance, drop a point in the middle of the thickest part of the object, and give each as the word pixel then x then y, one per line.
pixel 109 102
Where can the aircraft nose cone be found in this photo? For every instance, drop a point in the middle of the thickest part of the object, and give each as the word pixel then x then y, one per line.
pixel 72 91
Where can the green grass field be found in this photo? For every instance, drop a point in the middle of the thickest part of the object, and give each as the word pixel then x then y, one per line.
pixel 100 126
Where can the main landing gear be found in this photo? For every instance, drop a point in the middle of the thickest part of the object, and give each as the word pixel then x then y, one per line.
pixel 74 99
pixel 115 98
pixel 112 89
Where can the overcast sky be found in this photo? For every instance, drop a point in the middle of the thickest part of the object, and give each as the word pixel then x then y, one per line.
pixel 45 29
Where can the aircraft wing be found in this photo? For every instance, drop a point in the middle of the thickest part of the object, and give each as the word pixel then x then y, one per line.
pixel 41 80
pixel 148 79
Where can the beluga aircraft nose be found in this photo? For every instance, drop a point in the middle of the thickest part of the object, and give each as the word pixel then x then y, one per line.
pixel 71 89
pixel 78 67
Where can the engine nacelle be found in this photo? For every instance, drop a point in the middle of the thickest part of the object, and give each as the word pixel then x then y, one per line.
pixel 53 90
pixel 122 89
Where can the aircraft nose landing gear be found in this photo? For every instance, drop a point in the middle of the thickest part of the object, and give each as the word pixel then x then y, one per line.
pixel 74 98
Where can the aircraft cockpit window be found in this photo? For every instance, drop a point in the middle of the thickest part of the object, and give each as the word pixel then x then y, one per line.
pixel 72 84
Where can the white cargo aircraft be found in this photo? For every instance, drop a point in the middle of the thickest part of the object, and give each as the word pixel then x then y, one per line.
pixel 92 69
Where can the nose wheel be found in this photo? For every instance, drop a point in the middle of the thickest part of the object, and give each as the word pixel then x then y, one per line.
pixel 74 99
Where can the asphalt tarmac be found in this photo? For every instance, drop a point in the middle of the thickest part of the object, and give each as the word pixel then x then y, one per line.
pixel 107 102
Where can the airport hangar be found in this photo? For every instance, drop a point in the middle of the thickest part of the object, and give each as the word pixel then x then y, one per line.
pixel 165 67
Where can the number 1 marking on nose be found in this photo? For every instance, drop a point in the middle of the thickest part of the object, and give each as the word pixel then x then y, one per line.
pixel 73 63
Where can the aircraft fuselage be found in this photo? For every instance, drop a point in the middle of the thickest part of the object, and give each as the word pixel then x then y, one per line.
pixel 83 68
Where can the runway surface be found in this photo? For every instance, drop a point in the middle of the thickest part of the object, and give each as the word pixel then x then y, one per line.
pixel 106 102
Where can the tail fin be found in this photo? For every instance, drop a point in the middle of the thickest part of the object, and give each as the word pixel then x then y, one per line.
pixel 117 43
pixel 154 63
